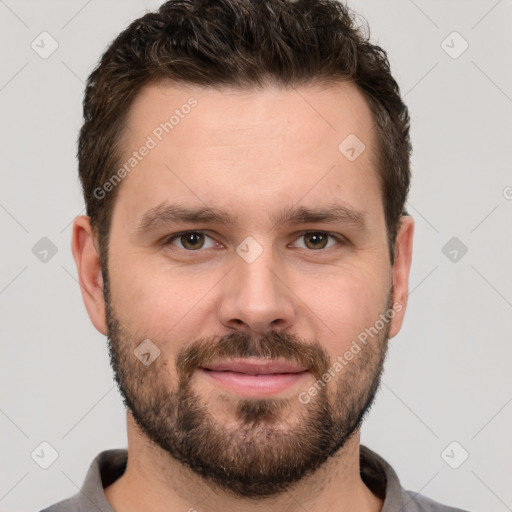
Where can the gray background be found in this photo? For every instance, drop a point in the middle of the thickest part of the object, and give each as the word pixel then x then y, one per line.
pixel 448 373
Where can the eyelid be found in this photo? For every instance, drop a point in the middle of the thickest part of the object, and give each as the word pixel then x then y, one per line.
pixel 336 236
pixel 176 236
pixel 342 240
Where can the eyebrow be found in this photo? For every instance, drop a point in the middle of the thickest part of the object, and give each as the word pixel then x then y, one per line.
pixel 165 214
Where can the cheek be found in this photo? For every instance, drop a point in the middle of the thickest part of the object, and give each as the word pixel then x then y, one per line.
pixel 348 303
pixel 160 302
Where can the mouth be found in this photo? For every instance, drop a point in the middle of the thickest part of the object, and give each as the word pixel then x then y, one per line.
pixel 254 367
pixel 254 378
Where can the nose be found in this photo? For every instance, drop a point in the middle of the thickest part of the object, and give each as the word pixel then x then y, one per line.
pixel 256 298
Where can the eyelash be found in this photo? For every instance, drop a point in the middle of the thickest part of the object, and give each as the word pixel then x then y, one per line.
pixel 340 239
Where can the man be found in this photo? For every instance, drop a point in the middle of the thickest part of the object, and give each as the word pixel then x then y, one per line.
pixel 245 167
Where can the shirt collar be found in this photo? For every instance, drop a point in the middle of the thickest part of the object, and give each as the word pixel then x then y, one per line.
pixel 109 465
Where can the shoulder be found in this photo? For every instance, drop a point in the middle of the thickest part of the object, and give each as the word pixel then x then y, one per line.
pixel 67 505
pixel 382 480
pixel 106 467
pixel 415 502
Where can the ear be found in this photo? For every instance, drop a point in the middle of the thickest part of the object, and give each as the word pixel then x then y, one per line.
pixel 400 272
pixel 87 259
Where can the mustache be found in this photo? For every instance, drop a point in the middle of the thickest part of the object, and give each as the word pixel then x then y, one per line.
pixel 272 345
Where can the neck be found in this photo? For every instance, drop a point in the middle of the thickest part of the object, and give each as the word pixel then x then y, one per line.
pixel 155 481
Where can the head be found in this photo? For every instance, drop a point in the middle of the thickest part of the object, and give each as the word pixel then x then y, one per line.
pixel 245 167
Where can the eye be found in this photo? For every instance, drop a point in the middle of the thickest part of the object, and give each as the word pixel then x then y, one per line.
pixel 195 240
pixel 190 240
pixel 318 240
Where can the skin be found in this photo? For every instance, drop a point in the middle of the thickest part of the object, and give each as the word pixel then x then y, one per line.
pixel 250 153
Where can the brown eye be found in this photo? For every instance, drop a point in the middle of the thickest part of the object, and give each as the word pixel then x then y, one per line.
pixel 317 240
pixel 190 240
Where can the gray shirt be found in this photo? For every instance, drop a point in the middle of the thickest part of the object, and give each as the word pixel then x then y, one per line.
pixel 376 473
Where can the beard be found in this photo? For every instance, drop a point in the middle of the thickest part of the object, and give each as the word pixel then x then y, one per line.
pixel 272 443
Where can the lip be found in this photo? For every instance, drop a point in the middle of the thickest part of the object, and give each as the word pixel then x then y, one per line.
pixel 255 367
pixel 254 379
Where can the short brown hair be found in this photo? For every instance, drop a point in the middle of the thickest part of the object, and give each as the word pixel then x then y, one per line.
pixel 245 44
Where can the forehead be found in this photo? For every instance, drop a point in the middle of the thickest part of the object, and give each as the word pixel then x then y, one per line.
pixel 227 115
pixel 220 146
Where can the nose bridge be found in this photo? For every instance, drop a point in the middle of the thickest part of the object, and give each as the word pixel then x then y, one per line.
pixel 255 295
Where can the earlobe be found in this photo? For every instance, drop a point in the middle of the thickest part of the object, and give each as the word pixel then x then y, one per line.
pixel 88 266
pixel 400 271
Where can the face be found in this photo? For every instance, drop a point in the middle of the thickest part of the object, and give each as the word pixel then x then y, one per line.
pixel 244 234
